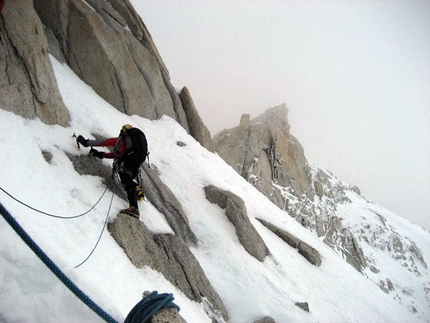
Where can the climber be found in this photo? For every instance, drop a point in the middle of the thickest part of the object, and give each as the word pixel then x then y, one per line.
pixel 131 150
pixel 1 5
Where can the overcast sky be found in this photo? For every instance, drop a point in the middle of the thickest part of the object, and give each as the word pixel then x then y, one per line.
pixel 355 76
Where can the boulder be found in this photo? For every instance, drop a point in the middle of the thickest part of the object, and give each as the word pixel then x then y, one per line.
pixel 185 271
pixel 303 305
pixel 27 81
pixel 236 212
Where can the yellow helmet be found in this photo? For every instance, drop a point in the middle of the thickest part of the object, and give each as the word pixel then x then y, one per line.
pixel 126 127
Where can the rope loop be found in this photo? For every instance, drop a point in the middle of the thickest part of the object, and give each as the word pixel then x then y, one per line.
pixel 149 306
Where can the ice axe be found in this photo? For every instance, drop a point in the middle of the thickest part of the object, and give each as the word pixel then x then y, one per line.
pixel 77 142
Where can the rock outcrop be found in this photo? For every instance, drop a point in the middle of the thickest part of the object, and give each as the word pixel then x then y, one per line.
pixel 167 203
pixel 197 128
pixel 303 305
pixel 27 81
pixel 105 43
pixel 263 151
pixel 168 255
pixel 309 253
pixel 319 216
pixel 266 319
pixel 235 211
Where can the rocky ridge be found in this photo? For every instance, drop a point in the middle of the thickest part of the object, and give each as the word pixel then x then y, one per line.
pixel 263 151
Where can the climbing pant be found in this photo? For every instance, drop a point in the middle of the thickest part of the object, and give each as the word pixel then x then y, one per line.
pixel 126 173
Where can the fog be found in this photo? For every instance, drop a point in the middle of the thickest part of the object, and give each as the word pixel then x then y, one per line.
pixel 354 75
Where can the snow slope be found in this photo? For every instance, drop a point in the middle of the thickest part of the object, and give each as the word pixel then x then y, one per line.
pixel 250 289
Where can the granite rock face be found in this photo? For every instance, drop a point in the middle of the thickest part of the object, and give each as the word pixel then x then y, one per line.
pixel 105 43
pixel 27 81
pixel 263 151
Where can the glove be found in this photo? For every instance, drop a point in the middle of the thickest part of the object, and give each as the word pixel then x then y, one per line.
pixel 82 141
pixel 96 153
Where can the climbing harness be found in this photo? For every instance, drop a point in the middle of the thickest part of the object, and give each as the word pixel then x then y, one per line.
pixel 53 267
pixel 53 215
pixel 149 306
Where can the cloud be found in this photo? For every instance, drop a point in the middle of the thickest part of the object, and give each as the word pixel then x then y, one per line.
pixel 355 76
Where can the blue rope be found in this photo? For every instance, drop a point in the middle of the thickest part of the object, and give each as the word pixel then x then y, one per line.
pixel 149 306
pixel 53 267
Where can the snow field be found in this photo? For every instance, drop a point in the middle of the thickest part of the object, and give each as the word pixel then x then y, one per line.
pixel 249 288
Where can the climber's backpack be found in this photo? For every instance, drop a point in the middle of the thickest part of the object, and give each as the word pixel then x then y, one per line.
pixel 136 146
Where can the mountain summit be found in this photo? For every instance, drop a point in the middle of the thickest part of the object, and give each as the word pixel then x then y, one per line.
pixel 263 151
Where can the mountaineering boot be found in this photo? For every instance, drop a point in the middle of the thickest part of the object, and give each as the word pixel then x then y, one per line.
pixel 140 195
pixel 131 211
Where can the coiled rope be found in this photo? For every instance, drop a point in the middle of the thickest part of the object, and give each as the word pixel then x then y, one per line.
pixel 149 306
pixel 53 267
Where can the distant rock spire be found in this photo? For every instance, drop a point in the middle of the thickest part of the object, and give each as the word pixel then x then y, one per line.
pixel 264 152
